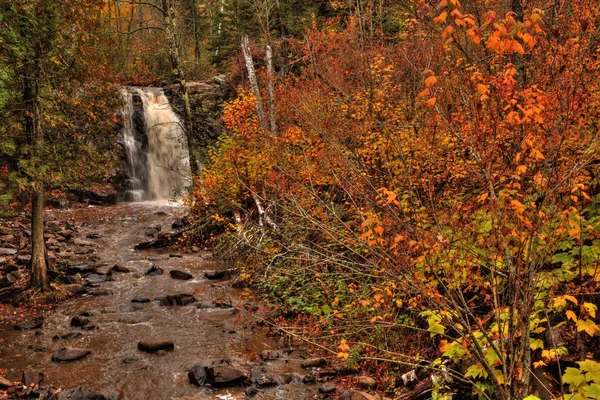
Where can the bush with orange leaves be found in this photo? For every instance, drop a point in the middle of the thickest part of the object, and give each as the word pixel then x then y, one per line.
pixel 433 199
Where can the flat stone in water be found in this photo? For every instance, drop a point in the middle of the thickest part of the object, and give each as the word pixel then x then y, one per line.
pixel 140 300
pixel 70 354
pixel 152 346
pixel 67 336
pixel 31 324
pixel 175 274
pixel 83 393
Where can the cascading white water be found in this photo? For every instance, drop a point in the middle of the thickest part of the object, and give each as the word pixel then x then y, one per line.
pixel 158 164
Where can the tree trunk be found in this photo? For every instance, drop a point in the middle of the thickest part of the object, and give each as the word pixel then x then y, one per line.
pixel 269 60
pixel 39 278
pixel 253 82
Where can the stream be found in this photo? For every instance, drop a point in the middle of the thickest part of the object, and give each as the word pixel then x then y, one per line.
pixel 200 331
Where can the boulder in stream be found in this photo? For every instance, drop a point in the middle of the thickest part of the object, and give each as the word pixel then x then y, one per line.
pixel 184 276
pixel 217 374
pixel 152 346
pixel 154 271
pixel 79 321
pixel 30 377
pixel 177 300
pixel 119 268
pixel 70 354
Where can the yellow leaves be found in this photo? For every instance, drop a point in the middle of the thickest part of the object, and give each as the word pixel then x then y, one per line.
pixel 571 315
pixel 344 347
pixel 536 344
pixel 588 326
pixel 590 309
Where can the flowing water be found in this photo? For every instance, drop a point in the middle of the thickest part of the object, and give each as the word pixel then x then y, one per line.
pixel 155 146
pixel 115 364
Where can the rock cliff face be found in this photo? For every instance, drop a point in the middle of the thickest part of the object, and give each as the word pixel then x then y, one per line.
pixel 206 100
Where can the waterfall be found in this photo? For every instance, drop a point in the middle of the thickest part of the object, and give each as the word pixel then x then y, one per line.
pixel 155 146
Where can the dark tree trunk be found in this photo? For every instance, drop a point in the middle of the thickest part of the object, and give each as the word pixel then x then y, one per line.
pixel 31 99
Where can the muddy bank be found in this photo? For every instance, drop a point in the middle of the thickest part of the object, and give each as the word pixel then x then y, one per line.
pixel 150 324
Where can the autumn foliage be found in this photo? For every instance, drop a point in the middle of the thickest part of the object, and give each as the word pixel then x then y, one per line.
pixel 441 184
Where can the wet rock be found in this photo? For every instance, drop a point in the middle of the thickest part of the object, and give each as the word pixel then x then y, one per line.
pixel 327 388
pixel 178 223
pixel 23 259
pixel 80 269
pixel 176 274
pixel 216 374
pixel 173 255
pixel 99 292
pixel 83 393
pixel 4 251
pixel 95 279
pixel 140 300
pixel 79 321
pixel 346 370
pixel 5 383
pixel 161 213
pixel 3 261
pixel 67 336
pixel 251 391
pixel 118 268
pixel 94 236
pixel 152 346
pixel 13 276
pixel 263 379
pixel 70 354
pixel 313 363
pixel 356 395
pixel 308 379
pixel 31 324
pixel 154 271
pixel 151 232
pixel 367 382
pixel 195 249
pixel 177 300
pixel 30 377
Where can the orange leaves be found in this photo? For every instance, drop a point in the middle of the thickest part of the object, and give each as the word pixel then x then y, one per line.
pixel 430 81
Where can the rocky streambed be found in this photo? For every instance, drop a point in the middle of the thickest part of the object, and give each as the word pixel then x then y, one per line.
pixel 148 324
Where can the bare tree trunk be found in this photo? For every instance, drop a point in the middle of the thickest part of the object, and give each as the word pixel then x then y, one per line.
pixel 253 82
pixel 220 25
pixel 269 60
pixel 39 278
